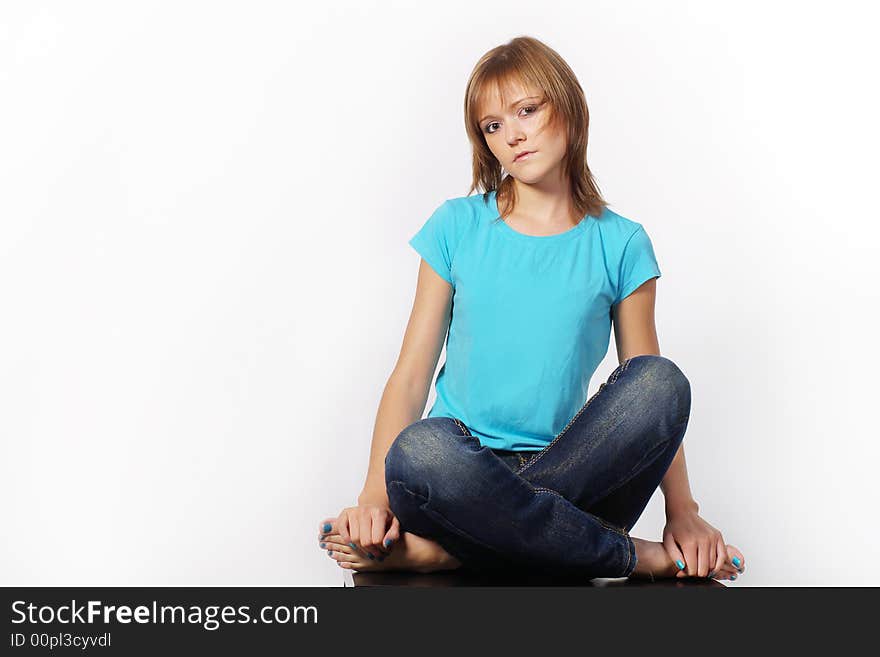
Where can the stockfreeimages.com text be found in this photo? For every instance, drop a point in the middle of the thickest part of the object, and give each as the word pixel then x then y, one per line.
pixel 210 616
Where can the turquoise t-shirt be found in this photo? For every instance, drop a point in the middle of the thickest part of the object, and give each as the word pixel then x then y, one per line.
pixel 531 315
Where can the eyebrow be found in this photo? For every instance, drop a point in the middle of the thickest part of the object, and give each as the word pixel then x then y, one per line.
pixel 512 105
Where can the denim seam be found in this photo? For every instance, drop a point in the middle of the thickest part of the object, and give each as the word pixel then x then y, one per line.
pixel 461 426
pixel 619 530
pixel 617 372
pixel 616 530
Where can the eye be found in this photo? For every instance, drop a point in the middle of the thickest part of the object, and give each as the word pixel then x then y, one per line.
pixel 534 109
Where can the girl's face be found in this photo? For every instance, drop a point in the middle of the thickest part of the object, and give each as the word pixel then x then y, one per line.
pixel 524 126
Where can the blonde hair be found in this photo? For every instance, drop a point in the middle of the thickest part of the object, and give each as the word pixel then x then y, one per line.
pixel 530 63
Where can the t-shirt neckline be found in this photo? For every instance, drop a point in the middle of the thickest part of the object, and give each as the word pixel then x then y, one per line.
pixel 505 229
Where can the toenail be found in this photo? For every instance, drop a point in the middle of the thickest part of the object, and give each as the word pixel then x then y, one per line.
pixel 327 526
pixel 679 564
pixel 737 562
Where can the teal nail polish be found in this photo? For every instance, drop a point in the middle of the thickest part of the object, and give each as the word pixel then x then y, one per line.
pixel 327 526
pixel 323 545
pixel 353 545
pixel 733 577
pixel 736 562
pixel 387 542
pixel 679 564
pixel 370 556
pixel 710 575
pixel 329 551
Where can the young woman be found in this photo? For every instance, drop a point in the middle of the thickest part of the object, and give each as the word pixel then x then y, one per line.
pixel 512 468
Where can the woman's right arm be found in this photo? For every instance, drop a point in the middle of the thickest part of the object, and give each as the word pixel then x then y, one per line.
pixel 406 392
pixel 371 522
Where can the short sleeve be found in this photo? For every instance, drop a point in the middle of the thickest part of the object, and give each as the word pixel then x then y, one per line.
pixel 436 240
pixel 637 264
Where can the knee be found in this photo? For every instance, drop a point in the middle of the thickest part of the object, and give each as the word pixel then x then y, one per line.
pixel 416 454
pixel 666 380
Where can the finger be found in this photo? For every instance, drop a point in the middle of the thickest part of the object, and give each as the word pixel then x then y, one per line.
pixel 720 555
pixel 365 527
pixel 703 558
pixel 368 529
pixel 342 527
pixel 674 553
pixel 354 525
pixel 379 521
pixel 392 535
pixel 690 559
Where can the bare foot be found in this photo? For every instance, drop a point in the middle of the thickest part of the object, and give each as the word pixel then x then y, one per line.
pixel 410 553
pixel 653 561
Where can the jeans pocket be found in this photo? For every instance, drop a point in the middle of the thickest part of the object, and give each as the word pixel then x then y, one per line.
pixel 461 425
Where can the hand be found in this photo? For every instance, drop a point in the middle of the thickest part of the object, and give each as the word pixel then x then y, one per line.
pixel 697 544
pixel 371 527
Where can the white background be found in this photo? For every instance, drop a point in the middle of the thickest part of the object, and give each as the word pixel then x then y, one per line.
pixel 205 275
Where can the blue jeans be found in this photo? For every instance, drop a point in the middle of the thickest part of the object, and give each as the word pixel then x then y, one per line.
pixel 564 510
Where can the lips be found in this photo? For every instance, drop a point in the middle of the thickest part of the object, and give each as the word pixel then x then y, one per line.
pixel 519 157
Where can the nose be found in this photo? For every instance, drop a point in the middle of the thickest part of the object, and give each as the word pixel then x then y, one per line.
pixel 514 134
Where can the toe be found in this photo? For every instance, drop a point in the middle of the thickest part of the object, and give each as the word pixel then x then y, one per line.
pixel 736 558
pixel 326 526
pixel 350 560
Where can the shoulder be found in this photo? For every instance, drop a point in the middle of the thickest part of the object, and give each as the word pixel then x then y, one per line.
pixel 469 206
pixel 617 228
pixel 461 213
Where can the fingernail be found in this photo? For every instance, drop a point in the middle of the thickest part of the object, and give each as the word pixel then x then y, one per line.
pixel 323 545
pixel 733 577
pixel 323 536
pixel 387 542
pixel 712 574
pixel 736 562
pixel 370 556
pixel 329 551
pixel 353 545
pixel 679 564
pixel 327 526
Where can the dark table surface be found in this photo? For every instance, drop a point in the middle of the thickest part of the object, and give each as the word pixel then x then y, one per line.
pixel 452 578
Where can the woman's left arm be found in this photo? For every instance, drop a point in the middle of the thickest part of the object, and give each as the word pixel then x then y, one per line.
pixel 690 541
pixel 676 489
pixel 635 334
